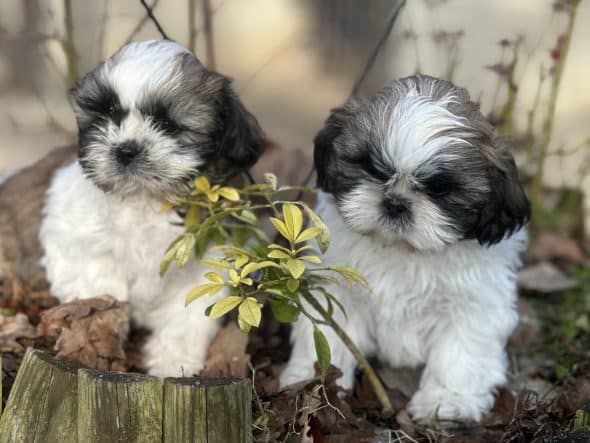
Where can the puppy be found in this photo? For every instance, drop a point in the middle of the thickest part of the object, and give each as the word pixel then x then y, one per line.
pixel 424 200
pixel 150 119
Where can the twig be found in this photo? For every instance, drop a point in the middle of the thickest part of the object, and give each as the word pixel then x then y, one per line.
pixel 537 181
pixel 154 20
pixel 378 48
pixel 192 27
pixel 141 24
pixel 360 358
pixel 208 29
pixel 68 43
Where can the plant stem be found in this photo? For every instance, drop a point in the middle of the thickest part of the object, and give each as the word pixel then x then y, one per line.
pixel 68 43
pixel 537 182
pixel 360 358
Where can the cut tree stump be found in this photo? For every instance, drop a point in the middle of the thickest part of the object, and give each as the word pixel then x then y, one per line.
pixel 43 401
pixel 55 401
pixel 217 405
pixel 117 406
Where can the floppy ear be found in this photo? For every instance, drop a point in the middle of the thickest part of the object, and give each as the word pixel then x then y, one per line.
pixel 323 152
pixel 508 208
pixel 241 138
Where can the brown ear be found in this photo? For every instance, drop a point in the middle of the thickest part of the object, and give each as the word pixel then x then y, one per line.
pixel 508 208
pixel 323 152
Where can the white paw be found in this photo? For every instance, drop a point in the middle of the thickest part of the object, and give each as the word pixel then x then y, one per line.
pixel 295 374
pixel 161 360
pixel 434 402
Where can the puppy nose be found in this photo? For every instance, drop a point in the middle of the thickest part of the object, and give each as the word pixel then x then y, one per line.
pixel 395 207
pixel 126 152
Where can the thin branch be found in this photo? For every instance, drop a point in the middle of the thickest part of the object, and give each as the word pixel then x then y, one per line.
pixel 192 27
pixel 208 29
pixel 378 47
pixel 358 355
pixel 153 18
pixel 537 182
pixel 141 24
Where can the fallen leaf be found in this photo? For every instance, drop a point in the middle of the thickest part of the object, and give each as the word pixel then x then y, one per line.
pixel 91 332
pixel 545 278
pixel 227 354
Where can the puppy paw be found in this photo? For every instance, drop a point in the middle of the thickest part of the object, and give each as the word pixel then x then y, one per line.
pixel 436 403
pixel 161 362
pixel 295 374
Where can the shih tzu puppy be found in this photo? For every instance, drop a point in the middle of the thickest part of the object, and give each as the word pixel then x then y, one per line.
pixel 151 118
pixel 424 200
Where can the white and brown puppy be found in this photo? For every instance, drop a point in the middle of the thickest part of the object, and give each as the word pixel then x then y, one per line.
pixel 424 200
pixel 151 118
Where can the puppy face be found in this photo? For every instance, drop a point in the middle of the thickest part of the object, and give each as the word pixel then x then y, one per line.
pixel 151 118
pixel 419 163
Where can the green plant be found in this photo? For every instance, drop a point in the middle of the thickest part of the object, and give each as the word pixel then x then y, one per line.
pixel 253 269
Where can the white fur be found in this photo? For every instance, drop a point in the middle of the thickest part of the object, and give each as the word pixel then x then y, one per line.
pixel 97 243
pixel 451 310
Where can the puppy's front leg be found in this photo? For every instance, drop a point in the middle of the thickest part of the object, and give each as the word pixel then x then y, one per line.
pixel 465 364
pixel 180 335
pixel 303 355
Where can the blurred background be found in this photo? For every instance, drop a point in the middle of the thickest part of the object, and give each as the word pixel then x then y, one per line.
pixel 525 61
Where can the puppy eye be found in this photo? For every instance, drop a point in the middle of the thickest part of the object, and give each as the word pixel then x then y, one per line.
pixel 368 165
pixel 115 112
pixel 163 122
pixel 166 125
pixel 440 185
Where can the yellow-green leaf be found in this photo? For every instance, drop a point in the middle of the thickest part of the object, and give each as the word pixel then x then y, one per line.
pixel 229 193
pixel 220 264
pixel 293 220
pixel 284 311
pixel 214 277
pixel 308 234
pixel 351 275
pixel 202 184
pixel 225 305
pixel 281 227
pixel 241 260
pixel 252 266
pixel 296 267
pixel 213 196
pixel 322 349
pixel 251 311
pixel 192 217
pixel 166 206
pixel 248 216
pixel 244 327
pixel 276 253
pixel 292 284
pixel 323 239
pixel 311 258
pixel 199 291
pixel 184 249
pixel 234 277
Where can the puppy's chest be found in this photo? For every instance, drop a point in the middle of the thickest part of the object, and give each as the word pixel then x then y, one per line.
pixel 140 233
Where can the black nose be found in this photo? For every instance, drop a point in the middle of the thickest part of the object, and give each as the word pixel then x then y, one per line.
pixel 395 207
pixel 126 152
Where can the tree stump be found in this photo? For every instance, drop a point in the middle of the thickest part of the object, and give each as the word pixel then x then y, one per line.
pixel 55 401
pixel 43 401
pixel 118 406
pixel 207 410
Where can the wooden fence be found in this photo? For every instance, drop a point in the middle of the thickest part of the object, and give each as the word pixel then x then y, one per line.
pixel 55 401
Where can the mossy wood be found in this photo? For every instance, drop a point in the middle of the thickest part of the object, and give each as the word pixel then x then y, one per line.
pixel 43 401
pixel 207 410
pixel 55 401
